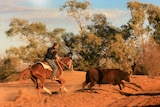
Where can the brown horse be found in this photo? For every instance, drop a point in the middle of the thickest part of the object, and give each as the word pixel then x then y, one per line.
pixel 37 71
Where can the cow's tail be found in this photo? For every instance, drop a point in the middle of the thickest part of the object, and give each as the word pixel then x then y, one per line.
pixel 25 74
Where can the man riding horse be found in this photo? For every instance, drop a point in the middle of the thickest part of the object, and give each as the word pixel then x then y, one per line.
pixel 50 57
pixel 38 71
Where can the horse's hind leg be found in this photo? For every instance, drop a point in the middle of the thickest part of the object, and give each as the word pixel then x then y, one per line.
pixel 35 81
pixel 47 90
pixel 43 87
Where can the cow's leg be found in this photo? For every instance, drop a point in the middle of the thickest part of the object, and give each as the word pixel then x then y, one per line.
pixel 119 82
pixel 84 84
pixel 91 84
pixel 120 86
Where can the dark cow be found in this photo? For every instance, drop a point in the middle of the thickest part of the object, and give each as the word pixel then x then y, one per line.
pixel 105 76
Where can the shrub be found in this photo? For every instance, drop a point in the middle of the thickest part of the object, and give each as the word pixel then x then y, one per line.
pixel 151 57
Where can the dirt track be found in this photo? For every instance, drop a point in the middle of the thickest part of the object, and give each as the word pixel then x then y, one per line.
pixel 141 91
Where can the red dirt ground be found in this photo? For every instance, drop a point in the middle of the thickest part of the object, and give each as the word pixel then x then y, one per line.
pixel 141 91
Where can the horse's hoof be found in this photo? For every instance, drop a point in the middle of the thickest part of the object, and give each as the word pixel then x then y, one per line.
pixel 65 89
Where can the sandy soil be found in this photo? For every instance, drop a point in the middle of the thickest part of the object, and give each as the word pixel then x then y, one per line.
pixel 141 91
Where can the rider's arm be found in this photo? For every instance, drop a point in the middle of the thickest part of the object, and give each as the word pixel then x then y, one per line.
pixel 53 50
pixel 58 57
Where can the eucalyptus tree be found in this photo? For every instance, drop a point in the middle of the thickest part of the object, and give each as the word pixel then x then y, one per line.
pixel 105 31
pixel 36 38
pixel 123 52
pixel 153 13
pixel 145 22
pixel 145 19
pixel 78 11
pixel 32 34
pixel 93 42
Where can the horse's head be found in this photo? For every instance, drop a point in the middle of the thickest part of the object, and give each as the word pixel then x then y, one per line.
pixel 66 62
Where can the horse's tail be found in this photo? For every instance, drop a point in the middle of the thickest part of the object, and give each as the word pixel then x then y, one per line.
pixel 25 74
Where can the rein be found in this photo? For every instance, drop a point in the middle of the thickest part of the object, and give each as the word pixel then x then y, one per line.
pixel 63 64
pixel 59 66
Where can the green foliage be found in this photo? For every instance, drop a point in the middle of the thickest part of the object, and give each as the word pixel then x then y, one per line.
pixel 22 27
pixel 37 39
pixel 99 44
pixel 140 69
pixel 18 27
pixel 77 10
pixel 123 52
pixel 8 67
pixel 81 65
pixel 154 20
pixel 138 17
pixel 145 20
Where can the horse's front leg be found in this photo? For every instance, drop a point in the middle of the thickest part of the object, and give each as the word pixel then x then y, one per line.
pixel 62 82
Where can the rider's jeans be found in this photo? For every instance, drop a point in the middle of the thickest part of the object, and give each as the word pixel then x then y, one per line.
pixel 53 66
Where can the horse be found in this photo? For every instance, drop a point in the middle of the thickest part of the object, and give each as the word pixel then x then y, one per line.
pixel 37 71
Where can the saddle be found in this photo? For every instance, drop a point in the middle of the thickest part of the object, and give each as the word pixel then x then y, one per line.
pixel 46 65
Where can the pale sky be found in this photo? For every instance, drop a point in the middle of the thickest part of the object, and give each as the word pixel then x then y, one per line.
pixel 47 12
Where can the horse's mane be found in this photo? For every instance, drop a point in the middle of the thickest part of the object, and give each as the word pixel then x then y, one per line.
pixel 65 59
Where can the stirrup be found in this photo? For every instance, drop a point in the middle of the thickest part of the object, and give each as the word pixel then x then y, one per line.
pixel 54 78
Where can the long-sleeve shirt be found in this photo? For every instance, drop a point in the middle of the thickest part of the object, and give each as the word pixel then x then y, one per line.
pixel 51 53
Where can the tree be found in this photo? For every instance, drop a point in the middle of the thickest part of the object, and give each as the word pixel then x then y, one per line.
pixel 9 66
pixel 77 10
pixel 145 20
pixel 104 30
pixel 153 13
pixel 123 52
pixel 144 25
pixel 32 34
pixel 36 37
pixel 37 40
pixel 151 57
